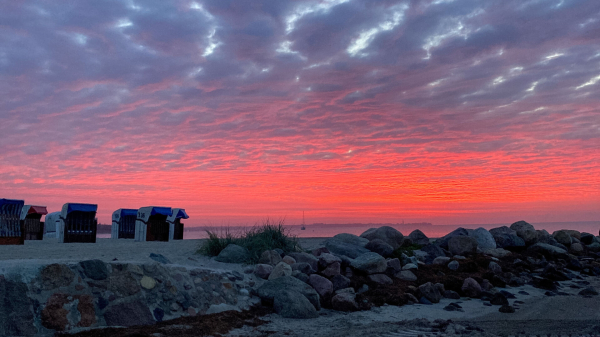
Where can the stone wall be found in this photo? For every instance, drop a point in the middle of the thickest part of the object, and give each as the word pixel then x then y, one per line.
pixel 69 297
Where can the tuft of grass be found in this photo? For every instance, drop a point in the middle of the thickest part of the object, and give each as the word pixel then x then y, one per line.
pixel 267 236
pixel 408 250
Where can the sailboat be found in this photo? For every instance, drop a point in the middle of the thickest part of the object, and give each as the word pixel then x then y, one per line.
pixel 303 227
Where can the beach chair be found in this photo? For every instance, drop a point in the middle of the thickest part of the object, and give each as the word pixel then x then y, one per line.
pixel 175 224
pixel 77 223
pixel 123 224
pixel 11 228
pixel 51 224
pixel 151 224
pixel 31 217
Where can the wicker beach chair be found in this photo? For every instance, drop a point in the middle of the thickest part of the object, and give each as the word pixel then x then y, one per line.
pixel 151 224
pixel 175 224
pixel 31 218
pixel 11 228
pixel 78 223
pixel 123 223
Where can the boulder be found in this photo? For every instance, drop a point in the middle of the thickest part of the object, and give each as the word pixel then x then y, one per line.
pixel 406 275
pixel 303 267
pixel 495 268
pixel 387 234
pixel 331 270
pixel 462 245
pixel 56 275
pixel 548 250
pixel 576 248
pixel 525 231
pixel 292 304
pixel 573 233
pixel 394 264
pixel 338 247
pixel 588 292
pixel 306 258
pixel 499 252
pixel 418 237
pixel 453 265
pixel 471 288
pixel 280 270
pixel 594 247
pixel 318 251
pixel 443 242
pixel 485 240
pixel 128 314
pixel 451 294
pixel 380 247
pixel 502 230
pixel 509 241
pixel 300 275
pixel 410 266
pixel 499 299
pixel 432 251
pixel 344 302
pixel 289 260
pixel 263 270
pixel 441 260
pixel 233 254
pixel 323 286
pixel 325 259
pixel 16 316
pixel 430 292
pixel 269 289
pixel 351 239
pixel 562 237
pixel 506 309
pixel 370 263
pixel 587 238
pixel 270 257
pixel 380 279
pixel 94 269
pixel 340 282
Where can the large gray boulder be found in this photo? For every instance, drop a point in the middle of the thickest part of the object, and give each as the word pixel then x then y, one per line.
pixel 443 241
pixel 292 304
pixel 306 258
pixel 370 263
pixel 502 230
pixel 388 234
pixel 280 270
pixel 380 247
pixel 562 237
pixel 323 286
pixel 587 238
pixel 430 292
pixel 433 251
pixel 233 254
pixel 509 241
pixel 351 239
pixel 471 288
pixel 270 257
pixel 485 240
pixel 345 301
pixel 269 289
pixel 525 231
pixel 548 250
pixel 418 237
pixel 338 247
pixel 462 245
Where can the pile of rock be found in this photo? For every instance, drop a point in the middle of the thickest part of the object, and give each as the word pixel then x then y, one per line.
pixel 298 284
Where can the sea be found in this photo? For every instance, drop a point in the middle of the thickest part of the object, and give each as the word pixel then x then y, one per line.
pixel 329 230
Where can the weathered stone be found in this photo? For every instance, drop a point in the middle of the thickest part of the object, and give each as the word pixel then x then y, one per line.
pixel 318 251
pixel 443 242
pixel 270 257
pixel 440 288
pixel 269 289
pixel 387 234
pixel 410 266
pixel 380 247
pixel 56 275
pixel 462 245
pixel 471 288
pixel 351 239
pixel 331 270
pixel 281 269
pixel 338 247
pixel 128 314
pixel 380 279
pixel 495 268
pixel 548 250
pixel 588 292
pixel 16 317
pixel 148 282
pixel 562 237
pixel 430 292
pixel 344 302
pixel 340 282
pixel 289 260
pixel 306 258
pixel 509 241
pixel 587 238
pixel 263 270
pixel 94 269
pixel 406 275
pixel 451 294
pixel 453 265
pixel 485 240
pixel 394 264
pixel 325 259
pixel 573 233
pixel 502 230
pixel 441 260
pixel 63 312
pixel 303 267
pixel 432 251
pixel 323 286
pixel 506 309
pixel 499 299
pixel 594 247
pixel 233 254
pixel 370 263
pixel 576 248
pixel 525 231
pixel 123 284
pixel 292 304
pixel 500 252
pixel 418 237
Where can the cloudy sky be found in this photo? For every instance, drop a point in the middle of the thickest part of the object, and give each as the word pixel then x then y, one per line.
pixel 464 111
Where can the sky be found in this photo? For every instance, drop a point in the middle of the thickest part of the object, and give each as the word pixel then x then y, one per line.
pixel 450 112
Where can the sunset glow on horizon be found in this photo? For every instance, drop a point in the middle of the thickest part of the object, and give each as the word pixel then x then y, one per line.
pixel 449 112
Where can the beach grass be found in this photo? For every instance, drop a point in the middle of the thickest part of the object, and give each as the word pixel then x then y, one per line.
pixel 267 236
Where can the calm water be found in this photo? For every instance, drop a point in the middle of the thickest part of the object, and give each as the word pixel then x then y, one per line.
pixel 432 231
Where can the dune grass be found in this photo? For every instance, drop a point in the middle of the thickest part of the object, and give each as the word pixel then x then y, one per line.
pixel 267 236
